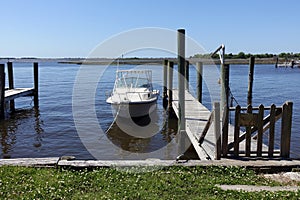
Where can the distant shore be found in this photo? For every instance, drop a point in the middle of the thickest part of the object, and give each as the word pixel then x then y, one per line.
pixel 138 61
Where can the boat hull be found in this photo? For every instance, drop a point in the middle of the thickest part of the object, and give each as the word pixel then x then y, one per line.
pixel 131 110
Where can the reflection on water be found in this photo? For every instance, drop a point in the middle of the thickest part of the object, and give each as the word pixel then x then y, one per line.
pixel 9 129
pixel 143 134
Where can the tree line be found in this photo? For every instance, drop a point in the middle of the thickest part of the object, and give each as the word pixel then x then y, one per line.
pixel 242 55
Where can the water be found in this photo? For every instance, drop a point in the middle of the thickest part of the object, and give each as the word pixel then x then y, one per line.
pixel 50 130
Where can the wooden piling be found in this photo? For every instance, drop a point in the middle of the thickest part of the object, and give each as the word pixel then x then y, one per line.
pixel 187 74
pixel 250 81
pixel 2 91
pixel 272 130
pixel 170 85
pixel 225 106
pixel 181 78
pixel 286 129
pixel 260 127
pixel 199 80
pixel 11 83
pixel 217 130
pixel 165 76
pixel 36 83
pixel 237 131
pixel 224 85
pixel 248 134
pixel 225 125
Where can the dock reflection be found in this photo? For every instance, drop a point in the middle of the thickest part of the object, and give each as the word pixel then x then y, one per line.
pixel 17 123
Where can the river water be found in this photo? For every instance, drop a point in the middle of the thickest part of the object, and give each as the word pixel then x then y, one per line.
pixel 52 130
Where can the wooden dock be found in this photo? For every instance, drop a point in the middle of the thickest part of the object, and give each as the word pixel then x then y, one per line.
pixel 210 132
pixel 197 118
pixel 8 95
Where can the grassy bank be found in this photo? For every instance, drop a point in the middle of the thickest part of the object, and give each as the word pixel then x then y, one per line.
pixel 110 183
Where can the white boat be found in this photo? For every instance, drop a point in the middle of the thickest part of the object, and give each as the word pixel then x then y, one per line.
pixel 133 94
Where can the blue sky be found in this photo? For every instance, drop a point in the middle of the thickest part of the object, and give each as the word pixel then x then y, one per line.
pixel 64 28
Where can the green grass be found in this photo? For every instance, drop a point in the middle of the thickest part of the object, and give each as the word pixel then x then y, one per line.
pixel 111 183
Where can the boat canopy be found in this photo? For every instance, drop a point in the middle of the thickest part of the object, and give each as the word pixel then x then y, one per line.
pixel 134 79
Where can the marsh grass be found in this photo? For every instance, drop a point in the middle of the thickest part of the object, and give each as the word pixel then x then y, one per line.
pixel 112 183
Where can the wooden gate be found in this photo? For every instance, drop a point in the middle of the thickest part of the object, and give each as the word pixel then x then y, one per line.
pixel 255 126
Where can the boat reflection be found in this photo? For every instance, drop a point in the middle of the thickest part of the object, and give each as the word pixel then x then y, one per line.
pixel 142 134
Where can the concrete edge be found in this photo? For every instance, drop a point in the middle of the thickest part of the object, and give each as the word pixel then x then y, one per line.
pixel 70 162
pixel 30 162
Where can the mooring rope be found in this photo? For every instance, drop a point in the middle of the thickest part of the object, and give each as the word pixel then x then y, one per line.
pixel 115 118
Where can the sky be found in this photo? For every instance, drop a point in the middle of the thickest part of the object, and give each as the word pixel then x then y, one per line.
pixel 74 28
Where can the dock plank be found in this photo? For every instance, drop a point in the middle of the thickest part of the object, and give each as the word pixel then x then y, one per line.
pixel 16 93
pixel 196 116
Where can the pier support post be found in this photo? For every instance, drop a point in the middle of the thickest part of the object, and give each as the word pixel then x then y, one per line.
pixel 184 144
pixel 286 129
pixel 225 85
pixel 199 80
pixel 250 82
pixel 236 133
pixel 36 83
pixel 181 78
pixel 187 74
pixel 165 80
pixel 11 83
pixel 2 91
pixel 170 85
pixel 225 106
pixel 217 130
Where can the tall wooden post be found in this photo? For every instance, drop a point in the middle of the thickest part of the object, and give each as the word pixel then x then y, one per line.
pixel 272 130
pixel 224 85
pixel 248 135
pixel 236 148
pixel 250 81
pixel 170 85
pixel 217 130
pixel 260 130
pixel 199 80
pixel 165 76
pixel 187 74
pixel 2 91
pixel 286 129
pixel 36 83
pixel 11 83
pixel 181 78
pixel 225 107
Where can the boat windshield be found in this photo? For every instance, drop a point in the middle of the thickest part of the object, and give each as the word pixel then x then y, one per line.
pixel 133 82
